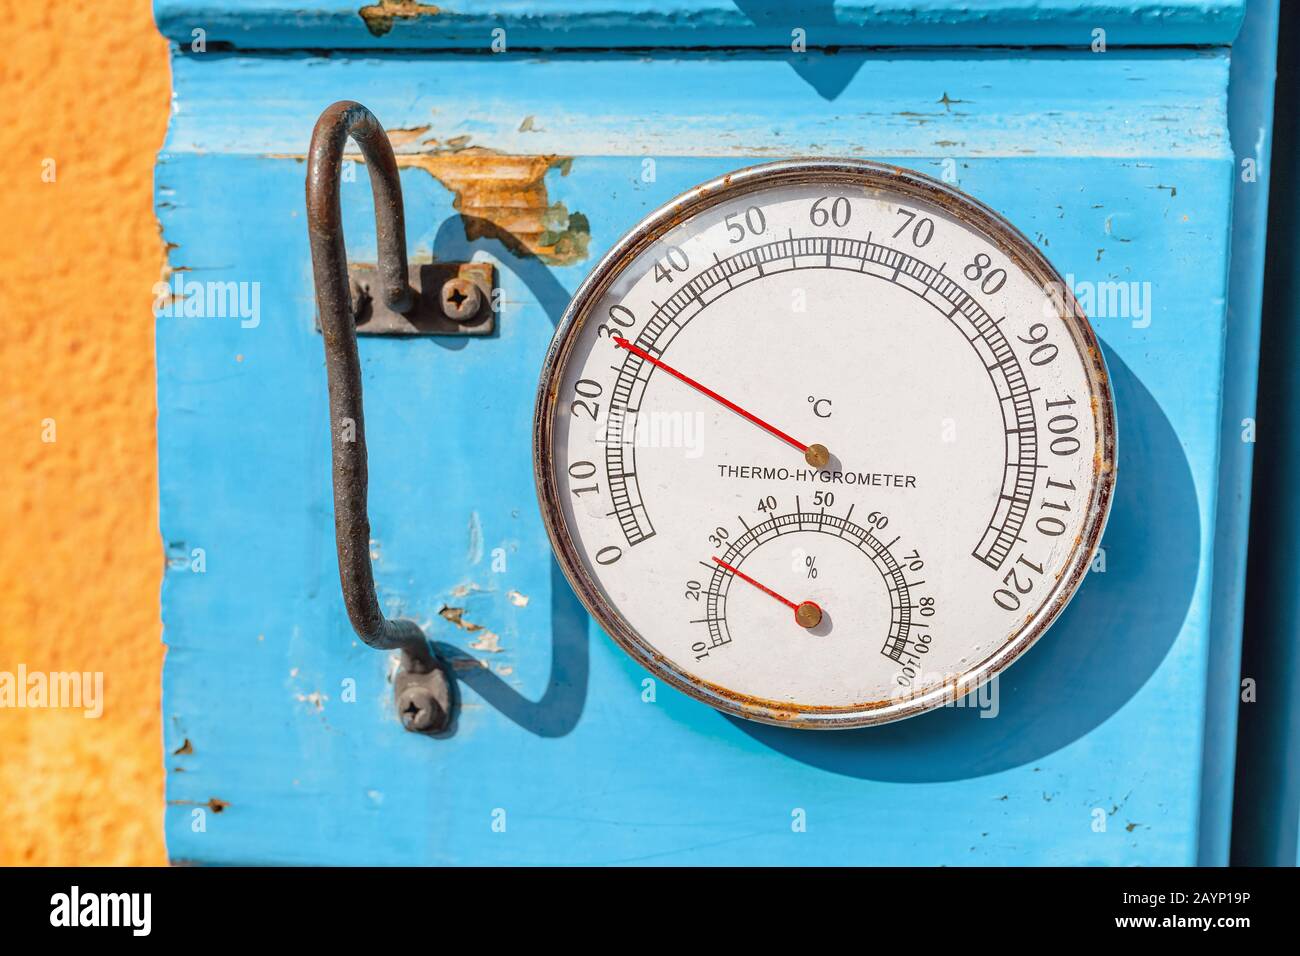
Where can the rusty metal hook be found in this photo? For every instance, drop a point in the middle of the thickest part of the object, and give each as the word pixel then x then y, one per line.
pixel 423 686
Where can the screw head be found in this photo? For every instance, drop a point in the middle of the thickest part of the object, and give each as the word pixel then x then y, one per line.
pixel 460 299
pixel 419 709
pixel 808 615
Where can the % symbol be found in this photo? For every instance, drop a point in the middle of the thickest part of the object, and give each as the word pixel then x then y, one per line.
pixel 811 563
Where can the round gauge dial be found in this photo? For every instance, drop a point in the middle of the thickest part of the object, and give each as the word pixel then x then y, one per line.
pixel 824 444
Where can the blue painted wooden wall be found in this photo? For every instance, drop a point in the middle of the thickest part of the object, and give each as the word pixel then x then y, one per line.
pixel 1112 735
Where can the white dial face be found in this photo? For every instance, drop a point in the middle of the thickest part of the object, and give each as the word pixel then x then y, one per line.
pixel 823 446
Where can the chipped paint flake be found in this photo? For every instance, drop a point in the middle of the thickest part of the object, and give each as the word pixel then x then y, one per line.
pixel 504 197
pixel 379 17
pixel 315 698
pixel 457 616
pixel 487 642
pixel 517 599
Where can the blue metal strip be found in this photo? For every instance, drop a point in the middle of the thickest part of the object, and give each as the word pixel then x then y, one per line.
pixel 1250 121
pixel 1266 819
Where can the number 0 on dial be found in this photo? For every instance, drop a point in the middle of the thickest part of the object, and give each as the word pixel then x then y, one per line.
pixel 824 444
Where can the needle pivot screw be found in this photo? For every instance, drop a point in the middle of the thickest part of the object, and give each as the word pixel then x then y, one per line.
pixel 808 615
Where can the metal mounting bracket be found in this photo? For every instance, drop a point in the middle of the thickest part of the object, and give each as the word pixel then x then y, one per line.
pixel 450 299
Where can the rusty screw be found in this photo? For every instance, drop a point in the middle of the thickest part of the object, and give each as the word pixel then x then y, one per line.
pixel 460 299
pixel 420 709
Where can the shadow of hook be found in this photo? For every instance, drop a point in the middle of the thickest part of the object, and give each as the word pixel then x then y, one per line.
pixel 557 711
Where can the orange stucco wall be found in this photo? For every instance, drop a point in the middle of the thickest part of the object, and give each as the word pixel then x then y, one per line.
pixel 80 554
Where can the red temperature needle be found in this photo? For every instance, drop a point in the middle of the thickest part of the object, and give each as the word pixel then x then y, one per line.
pixel 815 455
pixel 808 614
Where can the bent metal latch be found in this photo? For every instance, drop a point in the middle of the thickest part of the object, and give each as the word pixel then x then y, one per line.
pixel 381 296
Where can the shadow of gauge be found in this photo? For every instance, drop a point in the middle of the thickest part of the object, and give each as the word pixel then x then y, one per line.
pixel 1101 650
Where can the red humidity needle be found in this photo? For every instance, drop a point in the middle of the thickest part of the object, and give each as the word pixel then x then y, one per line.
pixel 815 455
pixel 808 614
